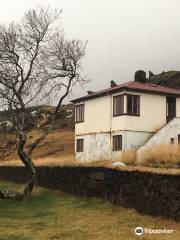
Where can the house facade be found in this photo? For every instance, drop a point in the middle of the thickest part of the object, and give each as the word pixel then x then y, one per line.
pixel 123 117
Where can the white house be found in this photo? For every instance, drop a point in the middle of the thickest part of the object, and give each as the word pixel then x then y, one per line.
pixel 125 116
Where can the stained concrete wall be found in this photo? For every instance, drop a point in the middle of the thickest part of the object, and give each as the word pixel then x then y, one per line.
pixel 96 147
pixel 133 140
pixel 164 135
pixel 100 146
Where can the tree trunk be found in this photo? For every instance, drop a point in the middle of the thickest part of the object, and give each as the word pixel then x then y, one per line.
pixel 7 194
pixel 31 179
pixel 31 171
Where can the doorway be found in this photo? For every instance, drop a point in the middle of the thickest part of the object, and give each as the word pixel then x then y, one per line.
pixel 170 108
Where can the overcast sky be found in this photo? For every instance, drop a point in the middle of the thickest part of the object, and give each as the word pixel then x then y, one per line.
pixel 123 35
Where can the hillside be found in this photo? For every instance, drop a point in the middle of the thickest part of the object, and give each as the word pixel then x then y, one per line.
pixel 168 79
pixel 40 116
pixel 58 147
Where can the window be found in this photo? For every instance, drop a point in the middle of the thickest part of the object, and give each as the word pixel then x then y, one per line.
pixel 117 142
pixel 118 105
pixel 79 145
pixel 172 140
pixel 80 113
pixel 178 138
pixel 133 105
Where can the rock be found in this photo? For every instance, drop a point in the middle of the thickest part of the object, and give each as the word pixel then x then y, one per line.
pixel 118 164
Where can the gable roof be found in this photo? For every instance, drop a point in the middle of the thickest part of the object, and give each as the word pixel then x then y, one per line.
pixel 133 86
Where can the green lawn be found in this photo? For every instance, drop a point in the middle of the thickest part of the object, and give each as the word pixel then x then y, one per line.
pixel 52 215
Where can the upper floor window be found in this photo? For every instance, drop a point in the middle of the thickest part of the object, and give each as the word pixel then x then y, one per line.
pixel 80 113
pixel 133 105
pixel 118 105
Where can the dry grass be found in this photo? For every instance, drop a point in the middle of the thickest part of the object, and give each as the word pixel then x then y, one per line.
pixel 164 155
pixel 57 148
pixel 129 157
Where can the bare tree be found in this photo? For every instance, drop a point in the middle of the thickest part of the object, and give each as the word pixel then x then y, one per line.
pixel 36 62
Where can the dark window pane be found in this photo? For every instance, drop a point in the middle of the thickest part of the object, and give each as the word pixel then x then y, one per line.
pixel 135 109
pixel 172 140
pixel 133 105
pixel 80 113
pixel 129 104
pixel 118 105
pixel 117 142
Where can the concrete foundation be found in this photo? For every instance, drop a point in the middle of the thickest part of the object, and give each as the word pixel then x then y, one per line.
pixel 96 147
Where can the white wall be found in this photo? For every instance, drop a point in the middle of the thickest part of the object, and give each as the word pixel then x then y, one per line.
pixel 133 140
pixel 96 116
pixel 99 118
pixel 152 115
pixel 96 147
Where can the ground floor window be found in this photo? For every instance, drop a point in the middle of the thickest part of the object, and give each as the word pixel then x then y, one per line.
pixel 172 140
pixel 117 142
pixel 79 145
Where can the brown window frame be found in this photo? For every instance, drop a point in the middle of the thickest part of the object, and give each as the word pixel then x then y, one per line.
pixel 80 145
pixel 137 105
pixel 120 106
pixel 80 114
pixel 117 143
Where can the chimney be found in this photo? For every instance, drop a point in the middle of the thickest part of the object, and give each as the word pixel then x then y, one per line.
pixel 113 84
pixel 151 74
pixel 140 76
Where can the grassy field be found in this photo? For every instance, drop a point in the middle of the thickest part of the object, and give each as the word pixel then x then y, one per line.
pixel 52 215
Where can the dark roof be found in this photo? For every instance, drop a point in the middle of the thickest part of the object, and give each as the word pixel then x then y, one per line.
pixel 132 86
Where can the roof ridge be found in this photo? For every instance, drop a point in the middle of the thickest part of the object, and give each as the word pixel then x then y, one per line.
pixel 130 83
pixel 168 87
pixel 158 85
pixel 133 85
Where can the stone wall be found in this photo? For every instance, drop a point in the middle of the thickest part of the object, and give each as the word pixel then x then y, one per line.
pixel 148 193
